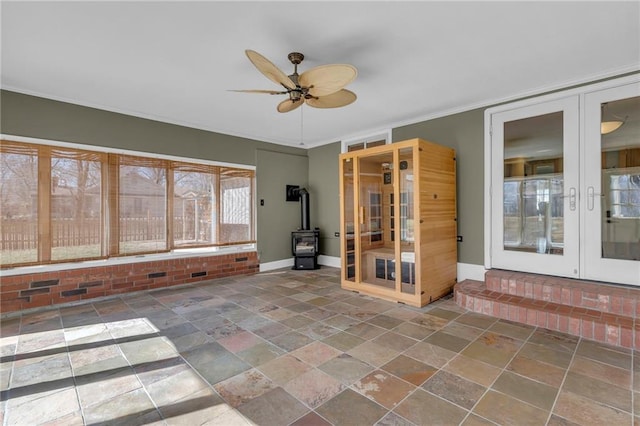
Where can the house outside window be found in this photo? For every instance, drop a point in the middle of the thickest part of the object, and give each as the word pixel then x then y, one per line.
pixel 624 193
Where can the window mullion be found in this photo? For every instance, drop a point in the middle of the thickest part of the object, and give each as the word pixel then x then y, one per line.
pixel 104 207
pixel 170 210
pixel 252 207
pixel 112 207
pixel 44 205
pixel 218 206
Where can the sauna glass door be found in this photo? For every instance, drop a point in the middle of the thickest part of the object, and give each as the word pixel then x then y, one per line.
pixel 377 256
pixel 406 221
pixel 348 221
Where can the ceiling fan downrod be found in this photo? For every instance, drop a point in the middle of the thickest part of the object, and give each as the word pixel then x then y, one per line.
pixel 299 92
pixel 295 58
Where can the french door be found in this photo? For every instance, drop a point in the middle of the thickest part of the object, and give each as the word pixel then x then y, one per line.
pixel 611 188
pixel 534 183
pixel 564 192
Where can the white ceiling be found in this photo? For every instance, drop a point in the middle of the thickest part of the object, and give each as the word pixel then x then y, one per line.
pixel 176 61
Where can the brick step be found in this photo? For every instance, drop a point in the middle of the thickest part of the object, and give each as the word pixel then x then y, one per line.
pixel 603 297
pixel 617 329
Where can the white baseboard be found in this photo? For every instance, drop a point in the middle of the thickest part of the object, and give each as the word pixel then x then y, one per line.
pixel 288 263
pixel 468 271
pixel 329 261
pixel 278 264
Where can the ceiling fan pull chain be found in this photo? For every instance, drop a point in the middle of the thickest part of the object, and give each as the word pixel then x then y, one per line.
pixel 302 126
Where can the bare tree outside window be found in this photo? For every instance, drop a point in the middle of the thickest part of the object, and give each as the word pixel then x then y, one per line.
pixel 19 208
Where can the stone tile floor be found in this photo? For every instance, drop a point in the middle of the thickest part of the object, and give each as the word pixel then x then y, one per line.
pixel 292 348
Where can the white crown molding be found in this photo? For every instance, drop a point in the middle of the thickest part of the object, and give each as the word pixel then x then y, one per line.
pixel 153 117
pixel 496 101
pixel 463 108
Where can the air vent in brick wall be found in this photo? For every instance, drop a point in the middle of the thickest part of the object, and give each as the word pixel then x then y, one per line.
pixel 157 275
pixel 39 287
pixel 75 292
pixel 90 284
pixel 45 283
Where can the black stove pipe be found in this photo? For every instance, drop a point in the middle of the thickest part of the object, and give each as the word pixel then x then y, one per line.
pixel 304 209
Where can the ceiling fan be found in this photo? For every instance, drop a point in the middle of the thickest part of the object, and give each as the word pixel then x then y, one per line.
pixel 319 87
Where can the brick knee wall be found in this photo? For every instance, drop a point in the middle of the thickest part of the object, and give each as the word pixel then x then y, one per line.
pixel 18 292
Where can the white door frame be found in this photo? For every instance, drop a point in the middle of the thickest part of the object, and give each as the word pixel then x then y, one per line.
pixel 567 263
pixel 491 167
pixel 594 266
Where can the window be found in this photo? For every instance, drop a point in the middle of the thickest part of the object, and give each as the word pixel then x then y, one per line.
pixel 19 212
pixel 236 209
pixel 62 204
pixel 624 193
pixel 142 205
pixel 195 215
pixel 533 209
pixel 364 142
pixel 76 204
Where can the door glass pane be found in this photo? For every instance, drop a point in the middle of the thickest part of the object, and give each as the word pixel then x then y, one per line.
pixel 377 261
pixel 533 203
pixel 406 222
pixel 620 198
pixel 349 217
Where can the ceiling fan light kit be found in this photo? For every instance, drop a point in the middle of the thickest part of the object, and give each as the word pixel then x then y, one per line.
pixel 610 125
pixel 319 87
pixel 607 127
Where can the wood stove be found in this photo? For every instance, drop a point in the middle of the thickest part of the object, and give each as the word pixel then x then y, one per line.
pixel 305 249
pixel 304 241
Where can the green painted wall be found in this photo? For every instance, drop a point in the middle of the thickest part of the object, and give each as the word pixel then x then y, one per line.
pixel 35 117
pixel 277 213
pixel 465 133
pixel 324 195
pixel 318 167
pixel 31 116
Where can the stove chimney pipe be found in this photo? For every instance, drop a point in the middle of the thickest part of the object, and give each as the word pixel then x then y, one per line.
pixel 304 209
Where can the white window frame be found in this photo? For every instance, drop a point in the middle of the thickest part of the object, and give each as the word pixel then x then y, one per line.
pixel 372 137
pixel 173 254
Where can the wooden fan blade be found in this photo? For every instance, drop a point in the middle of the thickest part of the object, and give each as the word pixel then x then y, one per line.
pixel 267 68
pixel 335 100
pixel 327 79
pixel 268 92
pixel 289 105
